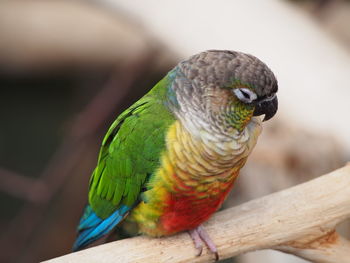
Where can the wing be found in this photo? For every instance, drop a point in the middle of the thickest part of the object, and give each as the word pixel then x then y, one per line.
pixel 129 155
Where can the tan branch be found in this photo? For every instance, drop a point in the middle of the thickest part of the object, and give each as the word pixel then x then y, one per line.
pixel 331 248
pixel 299 220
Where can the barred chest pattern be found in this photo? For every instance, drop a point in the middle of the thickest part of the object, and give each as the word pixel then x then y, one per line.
pixel 197 172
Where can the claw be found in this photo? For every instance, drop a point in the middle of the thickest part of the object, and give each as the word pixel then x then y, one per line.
pixel 197 241
pixel 200 236
pixel 216 256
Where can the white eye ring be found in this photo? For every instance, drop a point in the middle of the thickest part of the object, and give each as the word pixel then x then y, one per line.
pixel 245 95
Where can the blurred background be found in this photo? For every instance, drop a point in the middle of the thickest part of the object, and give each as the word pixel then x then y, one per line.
pixel 68 68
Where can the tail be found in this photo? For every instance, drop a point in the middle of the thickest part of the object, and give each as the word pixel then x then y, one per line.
pixel 91 227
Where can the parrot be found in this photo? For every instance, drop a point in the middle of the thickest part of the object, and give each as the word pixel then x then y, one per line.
pixel 168 162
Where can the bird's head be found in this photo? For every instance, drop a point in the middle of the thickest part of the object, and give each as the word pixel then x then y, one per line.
pixel 223 89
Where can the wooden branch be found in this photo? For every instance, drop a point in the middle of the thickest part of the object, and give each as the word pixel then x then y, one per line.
pixel 299 220
pixel 331 248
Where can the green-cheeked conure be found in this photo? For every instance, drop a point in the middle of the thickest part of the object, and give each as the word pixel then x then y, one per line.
pixel 168 162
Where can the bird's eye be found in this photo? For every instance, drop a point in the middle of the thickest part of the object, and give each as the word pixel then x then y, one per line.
pixel 245 95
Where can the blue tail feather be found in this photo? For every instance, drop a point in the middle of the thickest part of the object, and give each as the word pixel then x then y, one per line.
pixel 91 227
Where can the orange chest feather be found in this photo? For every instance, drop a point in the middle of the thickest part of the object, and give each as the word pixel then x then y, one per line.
pixel 183 212
pixel 191 183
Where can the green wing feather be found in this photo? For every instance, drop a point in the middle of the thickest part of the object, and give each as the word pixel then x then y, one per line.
pixel 130 152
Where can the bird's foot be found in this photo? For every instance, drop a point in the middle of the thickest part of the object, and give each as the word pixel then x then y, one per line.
pixel 200 236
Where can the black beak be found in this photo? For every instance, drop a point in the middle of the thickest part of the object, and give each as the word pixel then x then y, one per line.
pixel 267 106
